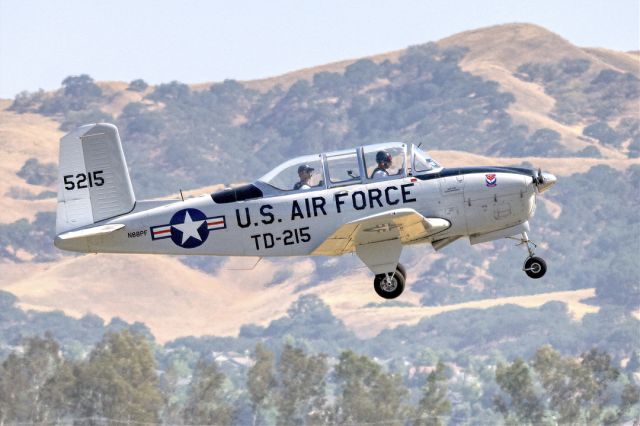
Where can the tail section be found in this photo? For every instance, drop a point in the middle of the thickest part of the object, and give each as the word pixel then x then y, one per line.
pixel 93 181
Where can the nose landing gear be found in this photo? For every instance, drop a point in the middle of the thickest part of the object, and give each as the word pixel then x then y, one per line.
pixel 535 267
pixel 391 284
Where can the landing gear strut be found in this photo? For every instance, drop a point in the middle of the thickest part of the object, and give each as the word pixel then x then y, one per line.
pixel 391 284
pixel 534 267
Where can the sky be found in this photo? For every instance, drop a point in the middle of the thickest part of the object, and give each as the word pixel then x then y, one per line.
pixel 192 41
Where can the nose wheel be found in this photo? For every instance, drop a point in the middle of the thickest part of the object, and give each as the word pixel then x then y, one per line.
pixel 391 284
pixel 535 267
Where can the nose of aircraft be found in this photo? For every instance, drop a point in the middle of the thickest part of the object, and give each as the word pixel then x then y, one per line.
pixel 544 181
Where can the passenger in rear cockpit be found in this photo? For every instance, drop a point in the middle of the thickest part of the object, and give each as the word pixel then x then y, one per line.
pixel 304 173
pixel 383 159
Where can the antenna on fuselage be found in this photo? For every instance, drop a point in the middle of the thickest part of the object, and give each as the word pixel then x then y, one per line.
pixel 181 196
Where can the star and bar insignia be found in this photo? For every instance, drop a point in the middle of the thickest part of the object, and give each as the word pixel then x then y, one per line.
pixel 188 228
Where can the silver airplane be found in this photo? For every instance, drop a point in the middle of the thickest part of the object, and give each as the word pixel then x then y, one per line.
pixel 370 200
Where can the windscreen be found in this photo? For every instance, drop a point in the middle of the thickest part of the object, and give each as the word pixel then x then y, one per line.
pixel 422 162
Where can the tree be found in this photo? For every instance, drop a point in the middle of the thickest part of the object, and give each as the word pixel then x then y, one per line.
pixel 598 374
pixel 170 92
pixel 79 92
pixel 602 132
pixel 544 142
pixel 206 403
pixel 80 86
pixel 634 147
pixel 561 378
pixel 260 381
pixel 434 403
pixel 35 387
pixel 328 82
pixel 58 393
pixel 366 393
pixel 119 382
pixel 301 387
pixel 74 119
pixel 578 389
pixel 523 405
pixel 138 85
pixel 37 173
pixel 629 398
pixel 361 72
pixel 622 287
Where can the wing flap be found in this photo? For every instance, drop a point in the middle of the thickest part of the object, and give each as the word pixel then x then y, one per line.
pixel 404 224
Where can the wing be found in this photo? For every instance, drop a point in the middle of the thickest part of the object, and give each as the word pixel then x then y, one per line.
pixel 406 225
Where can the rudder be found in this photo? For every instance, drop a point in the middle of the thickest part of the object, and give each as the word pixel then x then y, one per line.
pixel 93 180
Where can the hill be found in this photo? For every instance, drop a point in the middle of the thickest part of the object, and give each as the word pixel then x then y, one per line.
pixel 197 304
pixel 514 90
pixel 503 95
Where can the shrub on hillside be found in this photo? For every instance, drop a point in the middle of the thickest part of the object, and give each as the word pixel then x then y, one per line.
pixel 138 85
pixel 36 173
pixel 27 101
pixel 75 119
pixel 603 133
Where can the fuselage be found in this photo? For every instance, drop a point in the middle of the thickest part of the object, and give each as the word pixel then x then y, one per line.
pixel 475 201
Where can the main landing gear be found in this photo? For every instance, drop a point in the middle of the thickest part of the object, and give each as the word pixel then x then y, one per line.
pixel 534 267
pixel 391 284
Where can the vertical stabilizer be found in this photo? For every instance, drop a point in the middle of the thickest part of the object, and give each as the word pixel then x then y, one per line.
pixel 93 181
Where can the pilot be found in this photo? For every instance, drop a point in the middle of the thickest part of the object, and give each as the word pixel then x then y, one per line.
pixel 304 172
pixel 383 158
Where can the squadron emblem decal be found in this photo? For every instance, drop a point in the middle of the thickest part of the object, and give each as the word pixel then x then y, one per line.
pixel 188 228
pixel 490 179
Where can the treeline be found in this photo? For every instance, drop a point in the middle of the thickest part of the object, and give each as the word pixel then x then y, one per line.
pixel 120 382
pixel 76 336
pixel 469 343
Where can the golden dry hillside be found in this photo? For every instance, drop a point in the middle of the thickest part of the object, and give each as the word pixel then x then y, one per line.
pixel 24 136
pixel 175 300
pixel 495 53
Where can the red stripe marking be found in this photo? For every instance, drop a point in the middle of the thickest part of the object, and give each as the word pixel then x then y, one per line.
pixel 216 223
pixel 161 232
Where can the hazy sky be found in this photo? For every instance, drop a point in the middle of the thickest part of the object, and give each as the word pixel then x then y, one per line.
pixel 43 41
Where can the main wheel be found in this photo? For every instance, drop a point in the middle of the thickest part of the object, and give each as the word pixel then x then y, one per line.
pixel 400 268
pixel 535 267
pixel 389 287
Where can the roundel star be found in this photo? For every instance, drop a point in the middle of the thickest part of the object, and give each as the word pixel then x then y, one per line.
pixel 189 228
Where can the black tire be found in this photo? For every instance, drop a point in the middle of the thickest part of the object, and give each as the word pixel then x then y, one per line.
pixel 389 289
pixel 535 267
pixel 400 268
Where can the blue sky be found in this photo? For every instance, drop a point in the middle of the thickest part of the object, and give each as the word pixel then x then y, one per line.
pixel 43 41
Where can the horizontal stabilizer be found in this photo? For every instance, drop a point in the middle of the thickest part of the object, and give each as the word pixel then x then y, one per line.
pixel 79 240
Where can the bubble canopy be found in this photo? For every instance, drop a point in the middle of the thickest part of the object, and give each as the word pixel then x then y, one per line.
pixel 351 166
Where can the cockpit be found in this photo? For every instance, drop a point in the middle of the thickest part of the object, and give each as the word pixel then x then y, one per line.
pixel 365 164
